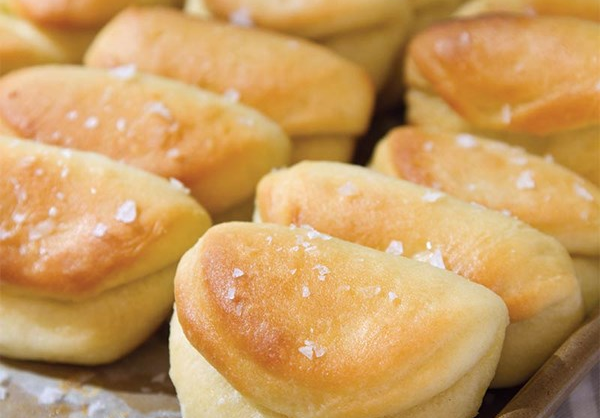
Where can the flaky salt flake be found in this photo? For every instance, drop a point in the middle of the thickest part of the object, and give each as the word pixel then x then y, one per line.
pixel 60 195
pixel 158 108
pixel 41 230
pixel 96 409
pixel 173 153
pixel 431 196
pixel 525 180
pixel 91 123
pixel 319 351
pixel 124 72
pixel 322 270
pixel 582 192
pixel 127 212
pixel 230 293
pixel 99 230
pixel 52 212
pixel 347 189
pixel 305 291
pixel 370 291
pixel 72 115
pixel 313 233
pixel 506 114
pixel 518 160
pixel 121 124
pixel 18 218
pixel 392 296
pixel 306 351
pixel 231 95
pixel 50 396
pixel 427 146
pixel 466 141
pixel 237 273
pixel 3 393
pixel 395 248
pixel 176 184
pixel 269 239
pixel 293 271
pixel 434 258
pixel 241 17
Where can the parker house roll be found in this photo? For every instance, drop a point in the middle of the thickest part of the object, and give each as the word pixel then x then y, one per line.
pixel 369 33
pixel 545 195
pixel 88 250
pixel 529 270
pixel 217 148
pixel 483 75
pixel 274 321
pixel 321 100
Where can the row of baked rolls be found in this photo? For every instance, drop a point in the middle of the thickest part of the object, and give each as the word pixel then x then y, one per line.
pixel 490 75
pixel 88 251
pixel 273 321
pixel 322 101
pixel 530 271
pixel 541 193
pixel 217 148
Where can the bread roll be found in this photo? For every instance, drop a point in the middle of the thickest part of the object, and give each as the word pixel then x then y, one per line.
pixel 368 33
pixel 307 89
pixel 531 271
pixel 550 198
pixel 504 95
pixel 74 14
pixel 274 322
pixel 88 249
pixel 23 44
pixel 588 274
pixel 217 148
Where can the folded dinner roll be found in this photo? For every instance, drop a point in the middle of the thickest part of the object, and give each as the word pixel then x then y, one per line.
pixel 311 92
pixel 279 322
pixel 531 271
pixel 369 33
pixel 483 75
pixel 73 14
pixel 583 9
pixel 545 195
pixel 88 249
pixel 217 148
pixel 23 44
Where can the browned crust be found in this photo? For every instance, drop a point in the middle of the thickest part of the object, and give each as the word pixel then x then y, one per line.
pixel 253 336
pixel 493 71
pixel 529 270
pixel 52 202
pixel 304 87
pixel 559 202
pixel 159 125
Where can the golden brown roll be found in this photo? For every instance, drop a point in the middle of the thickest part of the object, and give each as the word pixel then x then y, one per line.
pixel 588 274
pixel 281 322
pixel 545 195
pixel 23 44
pixel 531 271
pixel 217 148
pixel 307 89
pixel 366 32
pixel 82 14
pixel 583 9
pixel 482 75
pixel 88 249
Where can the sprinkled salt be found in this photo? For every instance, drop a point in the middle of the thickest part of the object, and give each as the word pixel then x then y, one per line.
pixel 506 114
pixel 64 172
pixel 38 171
pixel 41 230
pixel 91 122
pixel 427 146
pixel 347 189
pixel 4 377
pixel 241 17
pixel 60 195
pixel 306 352
pixel 313 233
pixel 231 95
pixel 395 248
pixel 52 212
pixel 319 351
pixel 322 270
pixel 525 180
pixel 432 196
pixel 392 296
pixel 370 291
pixel 237 273
pixel 72 115
pixel 230 293
pixel 269 239
pixel 582 192
pixel 173 153
pixel 432 257
pixel 293 271
pixel 158 108
pixel 50 396
pixel 96 408
pixel 121 124
pixel 92 190
pixel 178 185
pixel 464 38
pixel 127 212
pixel 99 230
pixel 310 348
pixel 18 218
pixel 3 393
pixel 305 291
pixel 518 160
pixel 124 72
pixel 466 141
